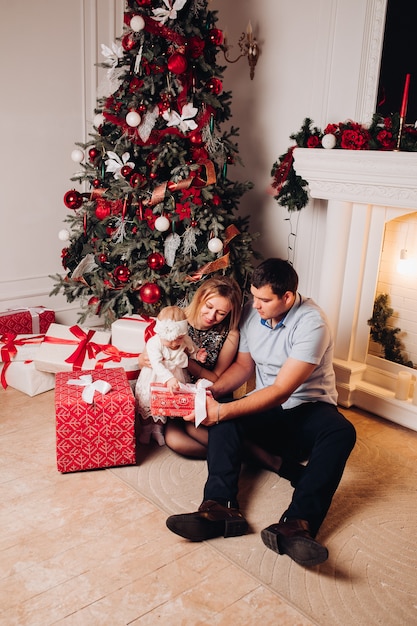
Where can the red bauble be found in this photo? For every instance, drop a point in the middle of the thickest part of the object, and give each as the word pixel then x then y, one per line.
pixel 128 42
pixel 96 183
pixel 150 293
pixel 137 180
pixel 93 154
pixel 102 211
pixel 215 85
pixel 102 258
pixel 177 63
pixel 125 170
pixel 121 273
pixel 215 36
pixel 156 261
pixel 195 137
pixel 73 199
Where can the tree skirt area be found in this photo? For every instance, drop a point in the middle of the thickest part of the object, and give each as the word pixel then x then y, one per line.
pixel 371 574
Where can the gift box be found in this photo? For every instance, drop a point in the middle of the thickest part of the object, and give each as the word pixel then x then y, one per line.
pixel 34 320
pixel 24 377
pixel 67 348
pixel 95 420
pixel 113 357
pixel 187 400
pixel 131 332
pixel 15 347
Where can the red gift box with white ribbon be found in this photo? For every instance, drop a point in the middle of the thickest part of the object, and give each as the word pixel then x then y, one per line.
pixel 95 420
pixel 33 320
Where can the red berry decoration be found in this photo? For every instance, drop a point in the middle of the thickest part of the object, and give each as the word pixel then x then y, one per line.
pixel 214 85
pixel 73 199
pixel 102 258
pixel 177 63
pixel 121 273
pixel 150 293
pixel 156 261
pixel 96 183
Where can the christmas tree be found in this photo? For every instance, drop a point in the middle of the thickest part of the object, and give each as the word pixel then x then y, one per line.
pixel 156 213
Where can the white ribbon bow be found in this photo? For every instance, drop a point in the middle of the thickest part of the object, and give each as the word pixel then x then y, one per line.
pixel 90 387
pixel 170 13
pixel 199 390
pixel 183 121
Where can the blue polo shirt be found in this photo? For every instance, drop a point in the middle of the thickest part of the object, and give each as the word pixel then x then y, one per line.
pixel 303 334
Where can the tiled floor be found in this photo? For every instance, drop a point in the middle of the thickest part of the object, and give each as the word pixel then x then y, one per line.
pixel 84 548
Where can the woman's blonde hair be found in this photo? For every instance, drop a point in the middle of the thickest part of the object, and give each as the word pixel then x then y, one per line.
pixel 223 286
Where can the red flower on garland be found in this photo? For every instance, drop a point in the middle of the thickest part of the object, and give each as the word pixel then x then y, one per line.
pixel 386 139
pixel 313 141
pixel 150 217
pixel 183 210
pixel 355 137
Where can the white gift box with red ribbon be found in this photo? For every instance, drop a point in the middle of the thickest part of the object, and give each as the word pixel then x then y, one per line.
pixel 23 376
pixel 131 332
pixel 67 348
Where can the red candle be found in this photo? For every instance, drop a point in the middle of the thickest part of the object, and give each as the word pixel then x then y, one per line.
pixel 405 97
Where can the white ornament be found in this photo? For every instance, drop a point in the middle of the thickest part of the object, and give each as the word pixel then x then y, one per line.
pixel 329 141
pixel 63 235
pixel 133 118
pixel 77 155
pixel 215 244
pixel 172 243
pixel 98 120
pixel 137 23
pixel 162 223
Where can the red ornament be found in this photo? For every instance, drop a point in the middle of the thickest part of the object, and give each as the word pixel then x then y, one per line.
pixel 73 199
pixel 177 63
pixel 121 273
pixel 150 293
pixel 137 180
pixel 93 154
pixel 102 210
pixel 215 36
pixel 195 137
pixel 156 261
pixel 102 258
pixel 125 170
pixel 96 183
pixel 128 42
pixel 214 85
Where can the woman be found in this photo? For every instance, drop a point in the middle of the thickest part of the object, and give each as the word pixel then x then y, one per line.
pixel 213 318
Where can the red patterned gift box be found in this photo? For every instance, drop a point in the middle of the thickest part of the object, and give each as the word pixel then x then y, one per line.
pixel 97 434
pixel 29 320
pixel 173 403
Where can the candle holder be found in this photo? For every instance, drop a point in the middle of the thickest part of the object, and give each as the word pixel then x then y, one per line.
pixel 248 48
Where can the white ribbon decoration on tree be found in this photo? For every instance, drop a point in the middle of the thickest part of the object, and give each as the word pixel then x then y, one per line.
pixel 114 164
pixel 90 387
pixel 183 121
pixel 170 13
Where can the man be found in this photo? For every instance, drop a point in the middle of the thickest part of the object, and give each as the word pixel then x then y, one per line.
pixel 286 337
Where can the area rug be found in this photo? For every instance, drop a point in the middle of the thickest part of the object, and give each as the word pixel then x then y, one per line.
pixel 370 531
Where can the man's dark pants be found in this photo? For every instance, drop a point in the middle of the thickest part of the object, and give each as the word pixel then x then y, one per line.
pixel 314 431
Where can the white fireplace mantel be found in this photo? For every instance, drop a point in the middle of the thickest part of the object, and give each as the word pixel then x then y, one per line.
pixel 364 190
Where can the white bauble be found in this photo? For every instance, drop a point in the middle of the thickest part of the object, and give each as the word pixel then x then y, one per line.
pixel 98 120
pixel 215 244
pixel 77 155
pixel 162 223
pixel 137 23
pixel 328 141
pixel 63 235
pixel 133 118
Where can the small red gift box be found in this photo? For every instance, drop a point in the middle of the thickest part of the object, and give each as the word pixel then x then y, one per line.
pixel 29 320
pixel 98 431
pixel 172 403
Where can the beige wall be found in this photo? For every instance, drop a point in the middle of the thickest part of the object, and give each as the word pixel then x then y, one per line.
pixel 314 55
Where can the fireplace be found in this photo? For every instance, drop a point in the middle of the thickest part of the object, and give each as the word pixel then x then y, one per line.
pixel 363 190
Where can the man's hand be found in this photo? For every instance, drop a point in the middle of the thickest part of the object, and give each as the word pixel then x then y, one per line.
pixel 212 407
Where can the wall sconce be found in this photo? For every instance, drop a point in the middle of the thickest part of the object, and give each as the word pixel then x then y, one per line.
pixel 406 266
pixel 248 48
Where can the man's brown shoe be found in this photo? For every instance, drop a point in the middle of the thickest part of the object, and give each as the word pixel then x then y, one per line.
pixel 211 520
pixel 292 537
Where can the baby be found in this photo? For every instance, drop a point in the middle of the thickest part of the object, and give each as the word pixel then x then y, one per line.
pixel 168 351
